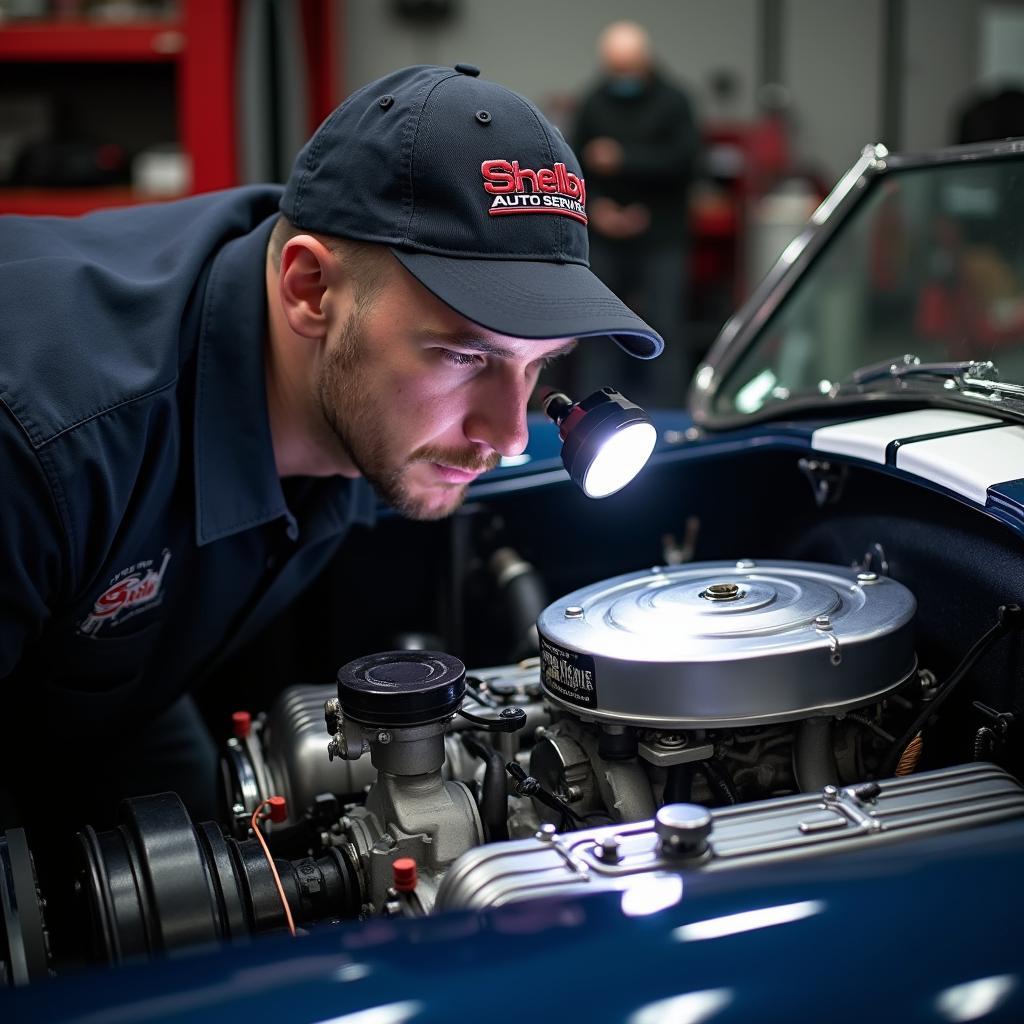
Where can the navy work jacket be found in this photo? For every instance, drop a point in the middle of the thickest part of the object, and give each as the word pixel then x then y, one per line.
pixel 144 531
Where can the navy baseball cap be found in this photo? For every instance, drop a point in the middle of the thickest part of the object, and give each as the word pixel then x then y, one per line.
pixel 478 196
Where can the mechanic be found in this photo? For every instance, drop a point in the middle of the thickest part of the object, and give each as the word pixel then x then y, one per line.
pixel 200 399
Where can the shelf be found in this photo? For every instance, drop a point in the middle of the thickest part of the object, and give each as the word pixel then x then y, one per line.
pixel 88 41
pixel 70 202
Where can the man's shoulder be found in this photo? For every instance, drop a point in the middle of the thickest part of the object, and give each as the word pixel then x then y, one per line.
pixel 98 310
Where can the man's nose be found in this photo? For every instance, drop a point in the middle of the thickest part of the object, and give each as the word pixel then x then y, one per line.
pixel 497 415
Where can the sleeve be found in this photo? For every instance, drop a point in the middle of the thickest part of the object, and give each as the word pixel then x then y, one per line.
pixel 33 544
pixel 673 156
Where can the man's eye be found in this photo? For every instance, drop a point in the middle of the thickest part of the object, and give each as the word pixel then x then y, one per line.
pixel 459 358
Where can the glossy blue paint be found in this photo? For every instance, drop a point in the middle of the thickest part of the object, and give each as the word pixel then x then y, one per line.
pixel 920 930
pixel 543 468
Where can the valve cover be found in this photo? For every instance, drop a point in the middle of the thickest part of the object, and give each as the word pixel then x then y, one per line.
pixel 727 644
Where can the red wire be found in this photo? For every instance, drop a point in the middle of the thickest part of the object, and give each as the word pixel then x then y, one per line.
pixel 273 867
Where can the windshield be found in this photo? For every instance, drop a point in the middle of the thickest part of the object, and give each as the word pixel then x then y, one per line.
pixel 930 262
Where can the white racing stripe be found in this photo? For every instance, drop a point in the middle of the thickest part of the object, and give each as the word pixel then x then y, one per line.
pixel 965 463
pixel 968 464
pixel 868 439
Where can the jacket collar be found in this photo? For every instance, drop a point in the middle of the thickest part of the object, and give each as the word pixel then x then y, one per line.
pixel 236 481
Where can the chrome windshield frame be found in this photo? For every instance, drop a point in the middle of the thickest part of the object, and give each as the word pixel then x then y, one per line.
pixel 742 329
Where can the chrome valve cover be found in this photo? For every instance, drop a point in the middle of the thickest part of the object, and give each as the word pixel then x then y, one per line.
pixel 727 644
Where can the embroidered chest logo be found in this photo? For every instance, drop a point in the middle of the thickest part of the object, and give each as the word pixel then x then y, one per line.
pixel 132 590
pixel 522 190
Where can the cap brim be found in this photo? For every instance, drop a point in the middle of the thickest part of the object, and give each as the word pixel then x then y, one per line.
pixel 533 299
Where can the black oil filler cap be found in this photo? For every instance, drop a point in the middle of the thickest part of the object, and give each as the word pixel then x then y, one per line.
pixel 401 688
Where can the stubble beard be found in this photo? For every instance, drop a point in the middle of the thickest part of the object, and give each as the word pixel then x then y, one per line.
pixel 358 421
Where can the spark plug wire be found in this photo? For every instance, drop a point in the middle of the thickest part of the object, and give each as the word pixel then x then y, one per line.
pixel 276 811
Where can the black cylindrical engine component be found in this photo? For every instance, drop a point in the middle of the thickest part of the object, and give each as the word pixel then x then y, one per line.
pixel 24 950
pixel 522 596
pixel 617 744
pixel 494 792
pixel 158 883
pixel 401 689
pixel 814 759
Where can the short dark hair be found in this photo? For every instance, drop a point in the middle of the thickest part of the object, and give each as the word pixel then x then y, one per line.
pixel 364 261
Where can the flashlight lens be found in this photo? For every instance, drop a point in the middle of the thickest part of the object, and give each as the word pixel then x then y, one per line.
pixel 619 459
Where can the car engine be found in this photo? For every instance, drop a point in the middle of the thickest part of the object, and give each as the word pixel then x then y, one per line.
pixel 685 717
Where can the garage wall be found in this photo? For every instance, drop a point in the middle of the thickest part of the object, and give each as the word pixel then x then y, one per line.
pixel 545 48
pixel 831 60
pixel 942 48
pixel 832 57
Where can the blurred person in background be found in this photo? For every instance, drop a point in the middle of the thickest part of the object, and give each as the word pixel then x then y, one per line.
pixel 637 140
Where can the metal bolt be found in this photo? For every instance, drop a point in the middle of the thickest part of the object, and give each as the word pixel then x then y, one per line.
pixel 672 739
pixel 608 851
pixel 573 793
pixel 746 563
pixel 830 794
pixel 867 577
pixel 722 592
pixel 546 833
pixel 574 611
pixel 383 736
pixel 822 622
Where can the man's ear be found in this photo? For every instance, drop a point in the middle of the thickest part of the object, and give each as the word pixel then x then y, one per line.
pixel 308 270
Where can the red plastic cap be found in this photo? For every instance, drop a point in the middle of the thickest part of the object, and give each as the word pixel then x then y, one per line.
pixel 404 872
pixel 241 724
pixel 278 808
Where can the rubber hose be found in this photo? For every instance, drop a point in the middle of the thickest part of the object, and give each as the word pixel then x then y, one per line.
pixel 814 759
pixel 493 793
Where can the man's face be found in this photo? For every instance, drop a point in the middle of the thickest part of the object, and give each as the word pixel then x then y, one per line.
pixel 421 401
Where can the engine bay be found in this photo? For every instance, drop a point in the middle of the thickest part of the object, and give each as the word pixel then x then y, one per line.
pixel 687 717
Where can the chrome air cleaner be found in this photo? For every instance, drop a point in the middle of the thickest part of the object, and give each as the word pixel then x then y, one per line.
pixel 727 644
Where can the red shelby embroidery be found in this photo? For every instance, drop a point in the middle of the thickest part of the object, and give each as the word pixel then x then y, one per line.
pixel 551 189
pixel 132 590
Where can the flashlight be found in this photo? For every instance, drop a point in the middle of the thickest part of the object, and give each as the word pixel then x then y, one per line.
pixel 606 439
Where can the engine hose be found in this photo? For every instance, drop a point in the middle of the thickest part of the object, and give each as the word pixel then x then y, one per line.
pixel 493 793
pixel 678 784
pixel 522 596
pixel 720 781
pixel 1008 617
pixel 814 759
